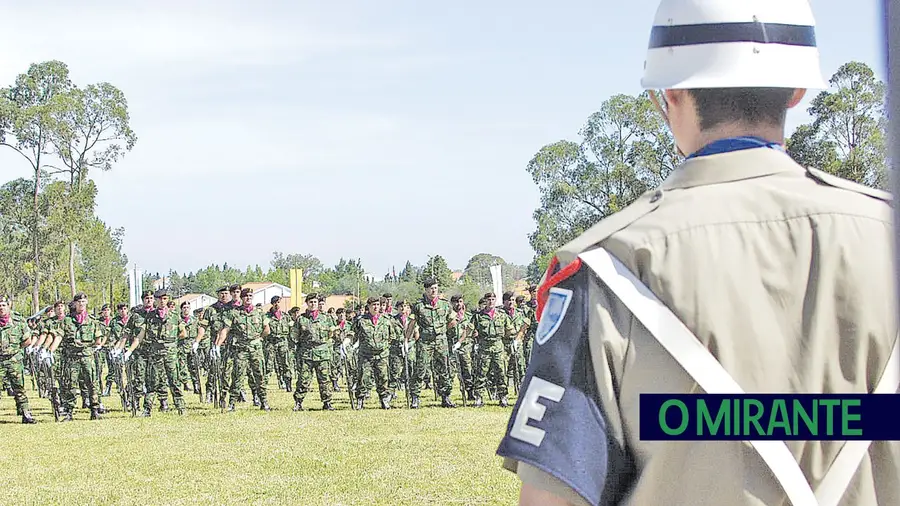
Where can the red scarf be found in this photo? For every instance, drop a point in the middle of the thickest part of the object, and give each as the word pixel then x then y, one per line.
pixel 403 319
pixel 277 314
pixel 249 308
pixel 186 318
pixel 388 310
pixel 461 313
pixel 106 321
pixel 313 315
pixel 341 324
pixel 4 320
pixel 374 319
pixel 80 317
pixel 148 309
pixel 490 313
pixel 511 311
pixel 434 302
pixel 125 320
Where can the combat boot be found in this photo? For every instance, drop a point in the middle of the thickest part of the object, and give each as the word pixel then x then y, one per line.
pixel 335 386
pixel 255 400
pixel 231 408
pixel 298 406
pixel 180 411
pixel 27 418
pixel 242 397
pixel 327 406
pixel 196 389
pixel 147 412
pixel 386 402
pixel 414 404
pixel 504 402
pixel 108 390
pixel 85 403
pixel 164 406
pixel 287 385
pixel 360 403
pixel 479 403
pixel 446 402
pixel 66 416
pixel 209 396
pixel 95 414
pixel 264 406
pixel 101 409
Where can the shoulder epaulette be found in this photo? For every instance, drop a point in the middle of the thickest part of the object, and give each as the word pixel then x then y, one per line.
pixel 845 184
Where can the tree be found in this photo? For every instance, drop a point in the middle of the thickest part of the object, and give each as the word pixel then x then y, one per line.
pixel 409 273
pixel 436 268
pixel 626 149
pixel 848 133
pixel 478 271
pixel 91 132
pixel 27 112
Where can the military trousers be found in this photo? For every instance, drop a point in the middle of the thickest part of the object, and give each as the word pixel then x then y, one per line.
pixel 464 361
pixel 515 367
pixel 79 368
pixel 321 368
pixel 99 358
pixel 248 361
pixel 372 366
pixel 432 354
pixel 163 365
pixel 278 360
pixel 492 361
pixel 111 368
pixel 197 362
pixel 184 352
pixel 11 369
pixel 527 346
pixel 137 382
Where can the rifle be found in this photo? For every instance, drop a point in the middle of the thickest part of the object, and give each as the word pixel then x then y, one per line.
pixel 196 354
pixel 216 383
pixel 406 370
pixel 119 364
pixel 350 393
pixel 515 360
pixel 34 378
pixel 98 366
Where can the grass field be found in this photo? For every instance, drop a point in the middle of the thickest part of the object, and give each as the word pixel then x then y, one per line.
pixel 399 457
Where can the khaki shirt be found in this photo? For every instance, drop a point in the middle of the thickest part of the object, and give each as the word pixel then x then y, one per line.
pixel 783 273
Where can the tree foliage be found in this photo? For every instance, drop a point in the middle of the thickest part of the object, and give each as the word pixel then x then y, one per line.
pixel 847 136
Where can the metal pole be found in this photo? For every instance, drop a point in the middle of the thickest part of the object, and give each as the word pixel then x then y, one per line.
pixel 891 30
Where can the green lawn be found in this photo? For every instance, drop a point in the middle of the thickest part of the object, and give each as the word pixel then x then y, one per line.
pixel 397 457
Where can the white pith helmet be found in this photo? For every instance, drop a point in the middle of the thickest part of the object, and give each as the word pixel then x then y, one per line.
pixel 733 44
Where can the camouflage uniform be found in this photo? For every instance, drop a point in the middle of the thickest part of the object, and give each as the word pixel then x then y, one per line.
pixel 277 341
pixel 463 357
pixel 314 349
pixel 52 327
pixel 530 311
pixel 77 345
pixel 213 322
pixel 344 330
pixel 12 335
pixel 188 368
pixel 405 329
pixel 246 351
pixel 374 337
pixel 432 351
pixel 515 368
pixel 137 366
pixel 493 327
pixel 161 342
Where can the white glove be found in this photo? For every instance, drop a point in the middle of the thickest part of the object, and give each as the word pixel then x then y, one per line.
pixel 29 349
pixel 355 346
pixel 346 342
pixel 97 349
pixel 115 353
pixel 44 354
pixel 195 347
pixel 475 348
pixel 343 352
pixel 127 356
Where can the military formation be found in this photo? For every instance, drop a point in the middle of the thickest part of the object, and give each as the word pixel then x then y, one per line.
pixel 154 353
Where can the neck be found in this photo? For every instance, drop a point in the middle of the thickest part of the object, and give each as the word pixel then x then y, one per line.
pixel 771 133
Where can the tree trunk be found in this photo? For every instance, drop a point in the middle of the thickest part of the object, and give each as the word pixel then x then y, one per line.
pixel 72 267
pixel 36 289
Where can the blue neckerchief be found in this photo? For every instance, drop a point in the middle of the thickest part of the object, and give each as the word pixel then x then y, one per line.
pixel 734 144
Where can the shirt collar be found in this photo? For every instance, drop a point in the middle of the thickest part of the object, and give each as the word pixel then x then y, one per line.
pixel 731 166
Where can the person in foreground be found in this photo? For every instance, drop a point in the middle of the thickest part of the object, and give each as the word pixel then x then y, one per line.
pixel 779 275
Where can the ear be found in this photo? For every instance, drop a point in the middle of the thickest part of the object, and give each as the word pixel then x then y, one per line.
pixel 675 97
pixel 796 98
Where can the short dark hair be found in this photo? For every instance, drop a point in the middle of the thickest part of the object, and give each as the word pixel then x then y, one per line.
pixel 428 283
pixel 716 106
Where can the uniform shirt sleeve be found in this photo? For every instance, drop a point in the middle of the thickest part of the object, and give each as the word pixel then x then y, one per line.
pixel 558 438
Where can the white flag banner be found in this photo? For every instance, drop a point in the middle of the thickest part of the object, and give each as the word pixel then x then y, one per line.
pixel 135 281
pixel 497 281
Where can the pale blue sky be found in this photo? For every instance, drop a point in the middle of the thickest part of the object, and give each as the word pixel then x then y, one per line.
pixel 360 114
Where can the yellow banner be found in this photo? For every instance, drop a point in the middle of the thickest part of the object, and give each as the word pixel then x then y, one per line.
pixel 296 287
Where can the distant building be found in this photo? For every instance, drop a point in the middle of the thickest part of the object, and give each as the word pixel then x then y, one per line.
pixel 263 292
pixel 196 300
